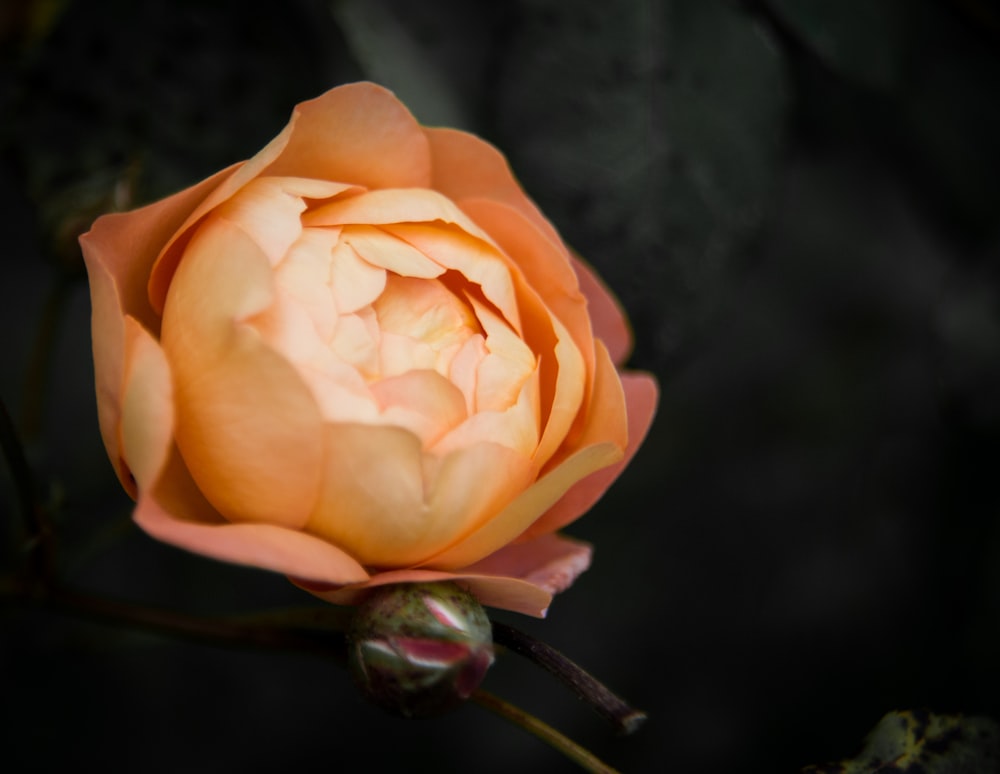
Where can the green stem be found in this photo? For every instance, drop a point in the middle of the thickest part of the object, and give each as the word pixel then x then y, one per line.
pixel 563 744
pixel 625 718
pixel 223 631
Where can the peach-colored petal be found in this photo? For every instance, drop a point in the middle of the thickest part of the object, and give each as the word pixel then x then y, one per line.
pixel 268 210
pixel 641 396
pixel 118 251
pixel 354 282
pixel 476 260
pixel 422 401
pixel 527 507
pixel 378 248
pixel 175 512
pixel 391 205
pixel 521 577
pixel 356 133
pixel 545 264
pixel 607 317
pixel 467 167
pixel 246 422
pixel 147 425
pixel 371 502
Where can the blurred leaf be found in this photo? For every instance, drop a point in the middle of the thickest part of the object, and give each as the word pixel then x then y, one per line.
pixel 915 742
pixel 649 133
pixel 393 56
pixel 864 41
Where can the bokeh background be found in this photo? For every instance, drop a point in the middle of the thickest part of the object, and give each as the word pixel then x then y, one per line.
pixel 797 203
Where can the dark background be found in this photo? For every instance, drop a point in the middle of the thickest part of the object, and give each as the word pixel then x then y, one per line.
pixel 797 202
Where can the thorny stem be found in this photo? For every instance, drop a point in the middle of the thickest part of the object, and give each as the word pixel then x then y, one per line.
pixel 579 755
pixel 626 719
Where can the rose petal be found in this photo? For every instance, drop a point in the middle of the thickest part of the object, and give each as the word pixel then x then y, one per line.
pixel 466 167
pixel 521 577
pixel 147 425
pixel 606 315
pixel 246 422
pixel 390 206
pixel 356 133
pixel 175 512
pixel 389 505
pixel 641 396
pixel 526 508
pixel 385 251
pixel 119 251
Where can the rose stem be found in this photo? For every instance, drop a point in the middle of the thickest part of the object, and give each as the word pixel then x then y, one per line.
pixel 33 515
pixel 219 632
pixel 624 718
pixel 579 755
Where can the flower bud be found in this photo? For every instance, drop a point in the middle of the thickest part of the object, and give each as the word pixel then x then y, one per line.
pixel 419 649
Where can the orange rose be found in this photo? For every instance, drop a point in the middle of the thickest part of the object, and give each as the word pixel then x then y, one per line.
pixel 362 357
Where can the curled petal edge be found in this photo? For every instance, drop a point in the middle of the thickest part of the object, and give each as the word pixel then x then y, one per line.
pixel 521 578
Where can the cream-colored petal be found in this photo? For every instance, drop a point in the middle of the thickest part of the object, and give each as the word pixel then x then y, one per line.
pixel 423 402
pixel 268 209
pixel 641 396
pixel 385 251
pixel 478 261
pixel 147 426
pixel 246 422
pixel 354 282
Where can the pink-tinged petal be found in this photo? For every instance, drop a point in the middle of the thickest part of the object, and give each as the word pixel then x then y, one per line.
pixel 641 397
pixel 607 317
pixel 356 133
pixel 392 205
pixel 118 251
pixel 147 426
pixel 526 508
pixel 382 250
pixel 247 425
pixel 175 512
pixel 467 167
pixel 521 577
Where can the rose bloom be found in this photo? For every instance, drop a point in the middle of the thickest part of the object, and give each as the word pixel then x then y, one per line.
pixel 362 357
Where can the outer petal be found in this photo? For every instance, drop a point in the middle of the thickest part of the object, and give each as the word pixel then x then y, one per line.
pixel 521 577
pixel 607 318
pixel 119 250
pixel 358 133
pixel 247 424
pixel 466 167
pixel 147 427
pixel 601 443
pixel 641 396
pixel 176 512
